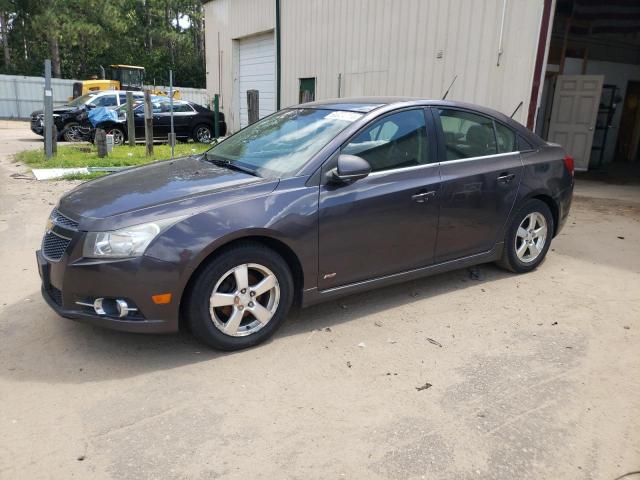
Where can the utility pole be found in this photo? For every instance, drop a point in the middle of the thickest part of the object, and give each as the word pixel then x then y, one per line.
pixel 131 121
pixel 148 122
pixel 172 135
pixel 216 116
pixel 48 110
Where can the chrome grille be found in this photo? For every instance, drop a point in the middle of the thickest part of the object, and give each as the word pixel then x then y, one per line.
pixel 63 221
pixel 54 246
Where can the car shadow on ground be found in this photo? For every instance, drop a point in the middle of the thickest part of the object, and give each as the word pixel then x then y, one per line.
pixel 38 345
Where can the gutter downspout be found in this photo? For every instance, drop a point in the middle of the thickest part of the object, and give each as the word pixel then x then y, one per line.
pixel 278 62
pixel 541 55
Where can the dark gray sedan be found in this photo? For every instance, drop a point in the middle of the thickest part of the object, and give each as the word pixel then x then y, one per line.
pixel 311 203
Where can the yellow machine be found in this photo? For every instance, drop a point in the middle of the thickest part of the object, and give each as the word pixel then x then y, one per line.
pixel 118 77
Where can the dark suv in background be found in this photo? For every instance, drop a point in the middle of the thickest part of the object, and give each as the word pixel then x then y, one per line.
pixel 69 118
pixel 190 120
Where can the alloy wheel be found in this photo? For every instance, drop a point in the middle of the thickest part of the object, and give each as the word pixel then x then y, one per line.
pixel 73 133
pixel 531 237
pixel 244 300
pixel 203 134
pixel 118 136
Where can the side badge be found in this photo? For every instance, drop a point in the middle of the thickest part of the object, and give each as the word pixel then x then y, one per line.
pixel 329 275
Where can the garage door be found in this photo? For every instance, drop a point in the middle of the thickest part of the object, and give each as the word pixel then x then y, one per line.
pixel 257 72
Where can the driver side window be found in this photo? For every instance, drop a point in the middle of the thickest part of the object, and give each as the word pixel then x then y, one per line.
pixel 396 141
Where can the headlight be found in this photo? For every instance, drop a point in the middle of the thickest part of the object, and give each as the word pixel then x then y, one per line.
pixel 126 242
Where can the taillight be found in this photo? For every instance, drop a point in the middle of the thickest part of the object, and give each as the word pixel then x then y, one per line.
pixel 568 164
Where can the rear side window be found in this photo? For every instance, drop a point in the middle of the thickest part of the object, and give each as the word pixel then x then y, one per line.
pixel 182 107
pixel 466 134
pixel 395 141
pixel 506 139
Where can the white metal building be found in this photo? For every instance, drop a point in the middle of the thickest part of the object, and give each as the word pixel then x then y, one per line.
pixel 496 50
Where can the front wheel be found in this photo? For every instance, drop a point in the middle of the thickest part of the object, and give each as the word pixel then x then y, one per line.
pixel 528 237
pixel 72 132
pixel 239 298
pixel 118 135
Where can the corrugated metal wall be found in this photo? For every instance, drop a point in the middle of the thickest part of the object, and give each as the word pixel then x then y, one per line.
pixel 388 47
pixel 19 95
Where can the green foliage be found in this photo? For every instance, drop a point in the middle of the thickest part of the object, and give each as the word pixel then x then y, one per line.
pixel 86 155
pixel 81 35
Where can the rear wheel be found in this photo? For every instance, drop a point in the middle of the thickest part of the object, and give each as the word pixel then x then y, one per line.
pixel 240 298
pixel 202 134
pixel 528 237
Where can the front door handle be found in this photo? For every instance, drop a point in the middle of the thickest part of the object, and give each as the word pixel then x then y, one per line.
pixel 506 177
pixel 422 197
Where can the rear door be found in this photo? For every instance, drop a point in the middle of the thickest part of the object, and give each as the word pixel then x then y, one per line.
pixel 481 171
pixel 387 222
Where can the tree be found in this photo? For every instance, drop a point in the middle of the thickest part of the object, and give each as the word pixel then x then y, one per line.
pixel 81 35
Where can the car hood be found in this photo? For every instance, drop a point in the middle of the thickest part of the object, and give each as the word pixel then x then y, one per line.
pixel 59 110
pixel 158 190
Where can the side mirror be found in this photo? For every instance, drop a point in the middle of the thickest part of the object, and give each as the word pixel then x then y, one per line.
pixel 350 168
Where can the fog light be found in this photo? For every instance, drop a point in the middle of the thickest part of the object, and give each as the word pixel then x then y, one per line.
pixel 110 306
pixel 123 308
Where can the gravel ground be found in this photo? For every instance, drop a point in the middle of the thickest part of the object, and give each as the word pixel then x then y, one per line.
pixel 532 376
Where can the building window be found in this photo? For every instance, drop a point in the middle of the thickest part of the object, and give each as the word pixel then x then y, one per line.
pixel 307 90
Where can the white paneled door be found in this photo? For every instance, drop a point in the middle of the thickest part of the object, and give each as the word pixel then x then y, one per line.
pixel 573 119
pixel 257 71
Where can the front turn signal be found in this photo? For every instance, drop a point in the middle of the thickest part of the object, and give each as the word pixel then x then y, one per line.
pixel 161 299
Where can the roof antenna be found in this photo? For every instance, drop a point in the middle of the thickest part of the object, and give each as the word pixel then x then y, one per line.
pixel 447 92
pixel 517 108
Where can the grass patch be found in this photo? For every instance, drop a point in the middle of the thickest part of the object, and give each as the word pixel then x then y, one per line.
pixel 86 155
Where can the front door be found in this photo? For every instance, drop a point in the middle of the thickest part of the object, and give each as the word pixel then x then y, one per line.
pixel 385 223
pixel 481 170
pixel 573 116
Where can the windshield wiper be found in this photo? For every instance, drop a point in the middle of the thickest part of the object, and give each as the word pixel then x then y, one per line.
pixel 230 165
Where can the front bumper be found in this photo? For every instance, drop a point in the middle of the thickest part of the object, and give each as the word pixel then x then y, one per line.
pixel 37 126
pixel 66 282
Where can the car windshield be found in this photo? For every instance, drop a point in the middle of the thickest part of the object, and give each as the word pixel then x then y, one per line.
pixel 279 145
pixel 76 102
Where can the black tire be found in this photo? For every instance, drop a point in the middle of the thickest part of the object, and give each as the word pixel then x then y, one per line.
pixel 510 259
pixel 196 305
pixel 119 137
pixel 69 132
pixel 198 134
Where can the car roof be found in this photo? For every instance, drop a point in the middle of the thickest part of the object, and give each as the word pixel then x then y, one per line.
pixel 369 104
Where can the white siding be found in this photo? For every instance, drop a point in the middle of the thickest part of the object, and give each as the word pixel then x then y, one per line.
pixel 227 21
pixel 390 47
pixel 257 71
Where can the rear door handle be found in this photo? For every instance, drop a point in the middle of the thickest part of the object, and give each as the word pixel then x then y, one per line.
pixel 506 177
pixel 423 196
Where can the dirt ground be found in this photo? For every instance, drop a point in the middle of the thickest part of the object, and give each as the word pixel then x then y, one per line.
pixel 533 376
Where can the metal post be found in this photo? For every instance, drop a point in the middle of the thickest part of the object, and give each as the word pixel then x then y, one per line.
pixel 172 135
pixel 131 121
pixel 253 106
pixel 216 116
pixel 48 109
pixel 148 122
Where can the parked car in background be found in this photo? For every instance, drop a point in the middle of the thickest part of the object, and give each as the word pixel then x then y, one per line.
pixel 190 120
pixel 308 204
pixel 66 117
